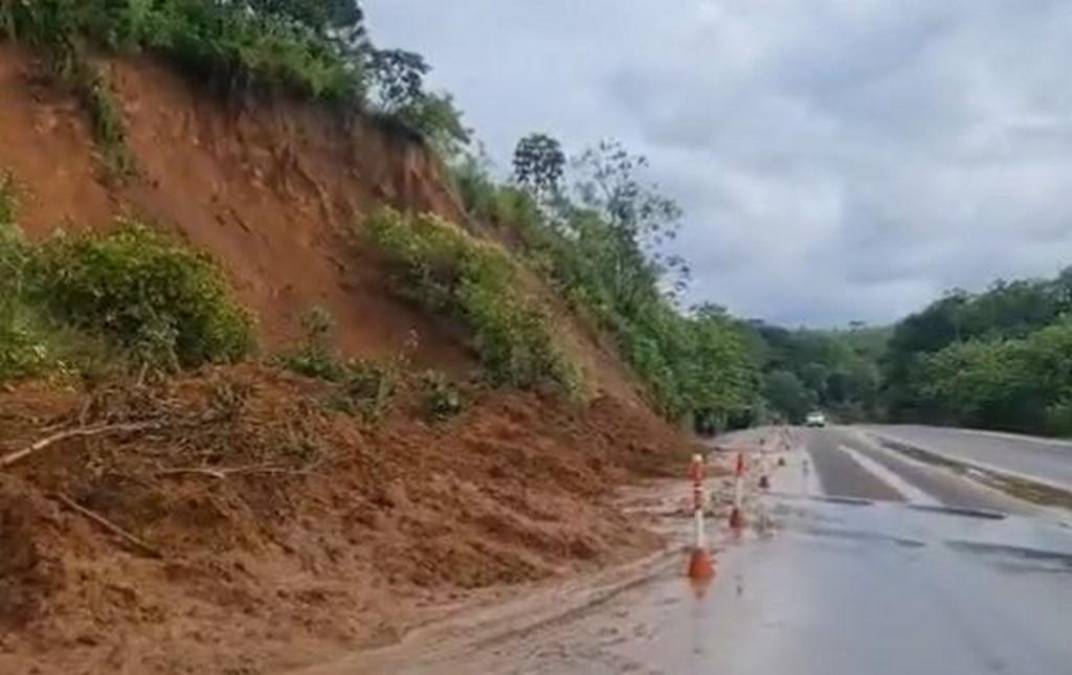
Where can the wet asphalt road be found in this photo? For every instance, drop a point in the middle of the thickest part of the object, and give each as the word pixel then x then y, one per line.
pixel 1046 460
pixel 920 572
pixel 842 474
pixel 837 589
pixel 892 584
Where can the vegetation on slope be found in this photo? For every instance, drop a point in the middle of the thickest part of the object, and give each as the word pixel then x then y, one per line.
pixel 80 304
pixel 317 50
pixel 597 230
pixel 439 266
pixel 590 224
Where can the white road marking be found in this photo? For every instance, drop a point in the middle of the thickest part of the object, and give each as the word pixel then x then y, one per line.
pixel 910 492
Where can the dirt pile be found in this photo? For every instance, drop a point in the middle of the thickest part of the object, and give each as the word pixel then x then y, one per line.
pixel 232 522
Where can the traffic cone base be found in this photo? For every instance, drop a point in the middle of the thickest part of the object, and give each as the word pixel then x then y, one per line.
pixel 736 518
pixel 701 566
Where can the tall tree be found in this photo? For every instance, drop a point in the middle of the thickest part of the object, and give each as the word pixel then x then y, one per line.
pixel 539 165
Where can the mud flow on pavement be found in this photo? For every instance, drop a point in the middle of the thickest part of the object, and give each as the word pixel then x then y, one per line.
pixel 852 562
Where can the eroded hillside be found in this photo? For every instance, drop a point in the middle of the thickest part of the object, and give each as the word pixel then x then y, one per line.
pixel 241 518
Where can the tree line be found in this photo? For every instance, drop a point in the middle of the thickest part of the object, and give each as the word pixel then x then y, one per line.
pixel 593 224
pixel 1001 359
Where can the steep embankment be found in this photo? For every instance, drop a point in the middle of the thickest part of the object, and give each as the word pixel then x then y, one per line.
pixel 266 188
pixel 232 519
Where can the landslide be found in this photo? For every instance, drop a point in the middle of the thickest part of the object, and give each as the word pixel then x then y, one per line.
pixel 259 530
pixel 268 187
pixel 231 519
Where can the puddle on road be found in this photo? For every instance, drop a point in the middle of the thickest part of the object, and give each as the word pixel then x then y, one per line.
pixel 1019 541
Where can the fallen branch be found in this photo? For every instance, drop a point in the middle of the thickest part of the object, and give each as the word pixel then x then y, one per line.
pixel 134 541
pixel 224 472
pixel 12 458
pixel 196 471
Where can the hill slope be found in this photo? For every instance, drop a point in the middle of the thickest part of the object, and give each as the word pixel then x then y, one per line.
pixel 233 519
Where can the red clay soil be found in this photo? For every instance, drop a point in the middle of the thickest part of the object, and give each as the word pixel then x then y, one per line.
pixel 271 189
pixel 247 526
pixel 274 190
pixel 261 530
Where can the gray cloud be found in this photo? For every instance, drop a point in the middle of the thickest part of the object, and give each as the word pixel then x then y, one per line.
pixel 837 159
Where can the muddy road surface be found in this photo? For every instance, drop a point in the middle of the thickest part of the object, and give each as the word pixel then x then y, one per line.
pixel 858 560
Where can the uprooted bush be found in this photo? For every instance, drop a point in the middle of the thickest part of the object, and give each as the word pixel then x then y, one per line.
pixel 166 306
pixel 439 266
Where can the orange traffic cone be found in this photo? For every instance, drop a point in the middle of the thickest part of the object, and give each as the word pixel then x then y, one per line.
pixel 701 565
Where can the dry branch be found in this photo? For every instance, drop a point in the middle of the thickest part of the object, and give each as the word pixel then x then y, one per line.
pixel 131 539
pixel 18 455
pixel 223 472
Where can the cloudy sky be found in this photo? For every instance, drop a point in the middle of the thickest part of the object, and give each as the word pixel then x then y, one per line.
pixel 837 160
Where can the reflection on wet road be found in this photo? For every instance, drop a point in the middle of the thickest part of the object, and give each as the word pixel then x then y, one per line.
pixel 836 589
pixel 934 578
pixel 859 562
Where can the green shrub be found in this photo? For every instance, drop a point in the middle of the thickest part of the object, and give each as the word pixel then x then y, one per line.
pixel 168 306
pixel 441 267
pixel 21 349
pixel 441 399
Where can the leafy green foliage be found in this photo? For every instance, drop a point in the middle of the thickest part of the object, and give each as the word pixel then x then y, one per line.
pixel 539 164
pixel 441 267
pixel 835 370
pixel 787 394
pixel 106 122
pixel 978 328
pixel 311 48
pixel 71 304
pixel 397 77
pixel 21 347
pixel 1020 384
pixel 237 43
pixel 599 238
pixel 168 306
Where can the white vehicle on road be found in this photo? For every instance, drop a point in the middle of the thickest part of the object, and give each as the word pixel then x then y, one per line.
pixel 815 419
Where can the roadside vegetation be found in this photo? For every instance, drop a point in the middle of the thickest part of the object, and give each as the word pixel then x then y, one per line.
pixel 314 50
pixel 598 231
pixel 442 268
pixel 88 304
pixel 587 222
pixel 1001 359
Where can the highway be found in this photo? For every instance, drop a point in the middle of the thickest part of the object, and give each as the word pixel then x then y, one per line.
pixel 859 559
pixel 1044 460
